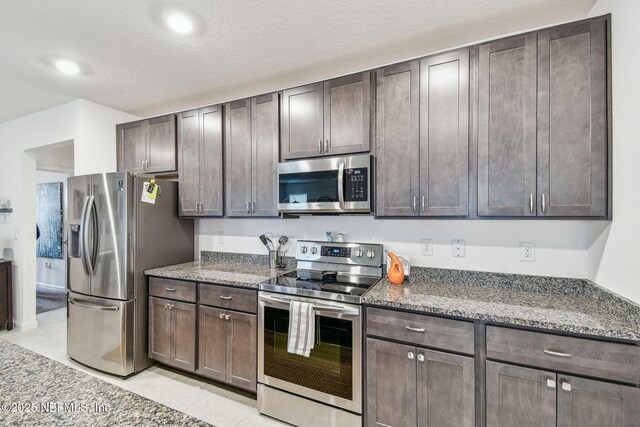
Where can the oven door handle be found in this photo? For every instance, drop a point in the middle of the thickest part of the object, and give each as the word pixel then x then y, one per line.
pixel 285 302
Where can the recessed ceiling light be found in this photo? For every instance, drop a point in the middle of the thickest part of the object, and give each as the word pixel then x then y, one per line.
pixel 67 67
pixel 178 22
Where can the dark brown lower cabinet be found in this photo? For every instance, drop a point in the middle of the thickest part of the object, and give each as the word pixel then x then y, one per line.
pixel 531 397
pixel 227 347
pixel 172 333
pixel 6 299
pixel 408 386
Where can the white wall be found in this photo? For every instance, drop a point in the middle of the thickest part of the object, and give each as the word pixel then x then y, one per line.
pixel 92 128
pixel 614 258
pixel 52 271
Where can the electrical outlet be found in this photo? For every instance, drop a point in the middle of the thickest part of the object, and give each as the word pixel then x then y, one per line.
pixel 527 251
pixel 427 247
pixel 457 248
pixel 221 237
pixel 17 235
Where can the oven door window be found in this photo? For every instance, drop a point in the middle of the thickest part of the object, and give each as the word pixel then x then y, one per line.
pixel 329 367
pixel 309 187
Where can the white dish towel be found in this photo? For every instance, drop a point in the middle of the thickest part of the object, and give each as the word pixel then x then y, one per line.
pixel 302 328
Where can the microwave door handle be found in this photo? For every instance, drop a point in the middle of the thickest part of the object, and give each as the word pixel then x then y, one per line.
pixel 341 185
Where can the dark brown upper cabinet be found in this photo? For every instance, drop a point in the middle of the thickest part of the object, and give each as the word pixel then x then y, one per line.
pixel 542 123
pixel 327 118
pixel 251 156
pixel 147 146
pixel 200 162
pixel 422 136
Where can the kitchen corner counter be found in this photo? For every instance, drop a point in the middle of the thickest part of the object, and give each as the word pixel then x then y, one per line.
pixel 565 305
pixel 242 270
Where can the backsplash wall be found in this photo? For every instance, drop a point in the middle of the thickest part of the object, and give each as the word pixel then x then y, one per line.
pixel 561 247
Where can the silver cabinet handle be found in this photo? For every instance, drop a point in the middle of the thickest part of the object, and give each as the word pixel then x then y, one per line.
pixel 410 328
pixel 565 386
pixel 556 353
pixel 227 316
pixel 142 164
pixel 169 306
pixel 319 146
pixel 414 203
pixel 551 383
pixel 410 355
pixel 421 358
pixel 225 298
pixel 326 146
pixel 171 289
pixel 422 204
pixel 253 206
pixel 544 203
pixel 531 202
pixel 90 306
pixel 222 316
pixel 248 207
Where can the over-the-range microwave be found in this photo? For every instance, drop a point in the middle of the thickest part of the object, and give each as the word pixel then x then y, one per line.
pixel 325 185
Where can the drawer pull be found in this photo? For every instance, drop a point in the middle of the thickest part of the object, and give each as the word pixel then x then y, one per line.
pixel 222 315
pixel 227 316
pixel 411 328
pixel 410 355
pixel 551 383
pixel 225 298
pixel 566 386
pixel 556 353
pixel 420 357
pixel 170 289
pixel 169 306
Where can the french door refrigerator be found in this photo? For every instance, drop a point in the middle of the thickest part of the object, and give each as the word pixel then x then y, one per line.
pixel 113 238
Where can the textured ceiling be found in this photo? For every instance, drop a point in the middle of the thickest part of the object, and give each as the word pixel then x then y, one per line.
pixel 242 47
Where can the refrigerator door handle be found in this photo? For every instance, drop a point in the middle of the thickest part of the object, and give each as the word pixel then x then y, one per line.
pixel 94 244
pixel 93 306
pixel 84 236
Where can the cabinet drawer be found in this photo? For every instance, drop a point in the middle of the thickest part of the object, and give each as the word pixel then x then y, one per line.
pixel 229 298
pixel 619 362
pixel 422 330
pixel 172 289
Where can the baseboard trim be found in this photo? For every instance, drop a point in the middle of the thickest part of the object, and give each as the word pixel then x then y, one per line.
pixel 18 326
pixel 48 285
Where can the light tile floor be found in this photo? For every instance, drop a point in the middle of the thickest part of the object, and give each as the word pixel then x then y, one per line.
pixel 198 398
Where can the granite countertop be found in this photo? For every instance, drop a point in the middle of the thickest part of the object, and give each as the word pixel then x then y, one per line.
pixel 568 305
pixel 243 270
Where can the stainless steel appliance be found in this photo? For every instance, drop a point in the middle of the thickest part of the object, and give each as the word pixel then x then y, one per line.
pixel 326 387
pixel 326 185
pixel 113 237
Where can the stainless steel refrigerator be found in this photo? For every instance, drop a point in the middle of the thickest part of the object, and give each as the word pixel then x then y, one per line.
pixel 113 237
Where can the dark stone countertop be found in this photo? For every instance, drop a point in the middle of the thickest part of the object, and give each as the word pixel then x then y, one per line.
pixel 556 304
pixel 242 270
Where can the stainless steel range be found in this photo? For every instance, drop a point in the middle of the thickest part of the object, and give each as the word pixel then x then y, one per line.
pixel 326 387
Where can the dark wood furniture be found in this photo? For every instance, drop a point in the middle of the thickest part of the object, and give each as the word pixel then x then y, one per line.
pixel 6 294
pixel 200 162
pixel 147 146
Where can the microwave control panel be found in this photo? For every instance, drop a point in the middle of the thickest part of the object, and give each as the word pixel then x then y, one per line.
pixel 357 185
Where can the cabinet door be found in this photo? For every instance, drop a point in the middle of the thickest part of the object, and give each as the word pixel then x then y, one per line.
pixel 131 146
pixel 588 403
pixel 265 125
pixel 161 144
pixel 242 350
pixel 572 120
pixel 445 389
pixel 520 396
pixel 397 139
pixel 183 335
pixel 237 134
pixel 211 161
pixel 302 122
pixel 212 343
pixel 391 384
pixel 444 134
pixel 159 330
pixel 347 110
pixel 189 162
pixel 507 127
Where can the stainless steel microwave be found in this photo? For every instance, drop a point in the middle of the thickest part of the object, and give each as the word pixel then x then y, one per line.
pixel 325 185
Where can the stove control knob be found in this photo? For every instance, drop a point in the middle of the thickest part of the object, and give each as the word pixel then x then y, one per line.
pixel 371 253
pixel 314 250
pixel 304 249
pixel 359 253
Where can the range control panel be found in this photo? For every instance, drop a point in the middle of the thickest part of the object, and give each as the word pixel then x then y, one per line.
pixel 343 253
pixel 357 185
